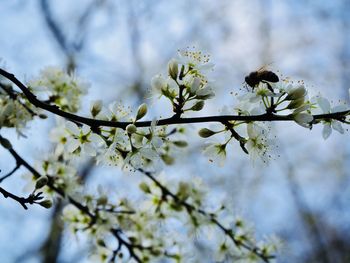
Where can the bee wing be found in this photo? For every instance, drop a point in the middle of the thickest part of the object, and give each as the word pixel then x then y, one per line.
pixel 264 67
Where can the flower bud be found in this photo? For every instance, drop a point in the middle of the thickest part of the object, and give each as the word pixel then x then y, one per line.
pixel 101 242
pixel 303 119
pixel 102 200
pixel 144 187
pixel 173 69
pixel 158 83
pixel 302 108
pixel 96 108
pixel 198 106
pixel 205 93
pixel 167 159
pixel 296 103
pixel 46 203
pixel 184 191
pixel 196 82
pixel 5 143
pixel 296 93
pixel 142 111
pixel 41 182
pixel 131 128
pixel 180 144
pixel 205 133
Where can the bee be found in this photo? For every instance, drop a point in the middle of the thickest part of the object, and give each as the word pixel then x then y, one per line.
pixel 261 75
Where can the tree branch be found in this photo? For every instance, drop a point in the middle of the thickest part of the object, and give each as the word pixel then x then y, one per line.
pixel 190 208
pixel 23 201
pixel 10 173
pixel 167 121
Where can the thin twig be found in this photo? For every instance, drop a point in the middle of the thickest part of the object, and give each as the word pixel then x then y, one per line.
pixel 10 173
pixel 23 201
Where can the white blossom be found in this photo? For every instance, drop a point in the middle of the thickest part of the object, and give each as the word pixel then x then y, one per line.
pixel 13 114
pixel 216 153
pixel 196 60
pixel 258 143
pixel 62 89
pixel 158 83
pixel 303 119
pixel 329 124
pixel 82 139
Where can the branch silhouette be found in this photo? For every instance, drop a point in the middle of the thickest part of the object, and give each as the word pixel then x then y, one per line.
pixel 94 123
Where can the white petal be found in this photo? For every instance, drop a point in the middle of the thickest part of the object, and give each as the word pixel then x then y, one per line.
pixel 324 104
pixel 195 84
pixel 254 98
pixel 85 129
pixel 149 153
pixel 246 96
pixel 302 108
pixel 254 130
pixel 206 66
pixel 89 149
pixel 327 130
pixel 257 110
pixel 303 119
pixel 96 139
pixel 172 85
pixel 153 124
pixel 72 127
pixel 158 82
pixel 157 142
pixel 59 149
pixel 339 108
pixel 72 145
pixel 336 125
pixel 204 91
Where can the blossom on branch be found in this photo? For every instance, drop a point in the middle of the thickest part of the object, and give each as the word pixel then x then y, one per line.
pixel 60 88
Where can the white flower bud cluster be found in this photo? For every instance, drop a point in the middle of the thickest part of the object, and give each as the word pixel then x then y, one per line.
pixel 14 111
pixel 60 88
pixel 187 86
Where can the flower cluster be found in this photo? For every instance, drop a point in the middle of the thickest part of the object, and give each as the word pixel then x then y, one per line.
pixel 60 88
pixel 15 111
pixel 269 99
pixel 329 124
pixel 186 86
pixel 57 175
pixel 131 148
